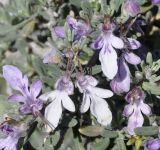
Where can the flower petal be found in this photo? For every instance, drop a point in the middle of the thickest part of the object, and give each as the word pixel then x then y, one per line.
pixel 36 88
pixel 116 42
pixel 72 22
pixel 67 102
pixel 103 93
pixel 53 113
pixel 133 44
pixel 121 83
pixel 16 98
pixel 108 59
pixel 132 58
pixel 59 30
pixel 128 110
pixel 49 96
pixel 91 80
pixel 120 86
pixel 135 120
pixel 98 43
pixel 85 103
pixel 13 76
pixel 81 29
pixel 99 108
pixel 153 144
pixel 25 109
pixel 145 108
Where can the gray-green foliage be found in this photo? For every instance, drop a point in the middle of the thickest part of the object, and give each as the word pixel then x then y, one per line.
pixel 26 34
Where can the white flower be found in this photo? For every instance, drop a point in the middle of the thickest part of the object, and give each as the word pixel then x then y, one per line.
pixel 107 42
pixel 59 99
pixel 93 98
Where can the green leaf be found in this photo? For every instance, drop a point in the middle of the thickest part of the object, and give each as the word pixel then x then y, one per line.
pixel 28 28
pixel 96 69
pixel 68 122
pixel 151 87
pixel 115 4
pixel 109 134
pixel 102 144
pixel 76 3
pixel 87 9
pixel 5 106
pixel 103 6
pixel 120 144
pixel 68 32
pixel 141 2
pixel 149 59
pixel 147 131
pixel 91 131
pixel 68 139
pixel 77 145
pixel 37 139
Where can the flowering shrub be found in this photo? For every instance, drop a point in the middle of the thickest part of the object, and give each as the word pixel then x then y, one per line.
pixel 94 73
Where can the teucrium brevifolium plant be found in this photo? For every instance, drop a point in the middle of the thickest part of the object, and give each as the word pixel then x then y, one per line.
pixel 79 74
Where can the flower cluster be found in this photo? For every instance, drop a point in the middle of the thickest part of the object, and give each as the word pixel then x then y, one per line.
pixel 113 67
pixel 93 98
pixel 94 65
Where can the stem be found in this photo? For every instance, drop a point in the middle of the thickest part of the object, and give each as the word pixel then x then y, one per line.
pixel 130 25
pixel 45 120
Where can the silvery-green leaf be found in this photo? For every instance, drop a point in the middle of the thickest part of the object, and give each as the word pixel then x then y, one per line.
pixel 149 59
pixel 96 69
pixel 151 87
pixel 141 2
pixel 87 8
pixel 120 144
pixel 77 144
pixel 109 134
pixel 91 131
pixel 68 139
pixel 6 107
pixel 102 144
pixel 68 32
pixel 103 6
pixel 28 28
pixel 147 131
pixel 115 4
pixel 77 3
pixel 37 139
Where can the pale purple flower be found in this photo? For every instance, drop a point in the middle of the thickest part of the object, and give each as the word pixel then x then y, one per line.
pixel 59 98
pixel 131 7
pixel 93 99
pixel 121 82
pixel 155 2
pixel 153 144
pixel 107 42
pixel 13 134
pixel 80 28
pixel 28 96
pixel 135 108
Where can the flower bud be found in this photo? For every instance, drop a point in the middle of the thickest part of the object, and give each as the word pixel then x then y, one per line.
pixel 131 7
pixel 155 2
pixel 139 75
pixel 153 144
